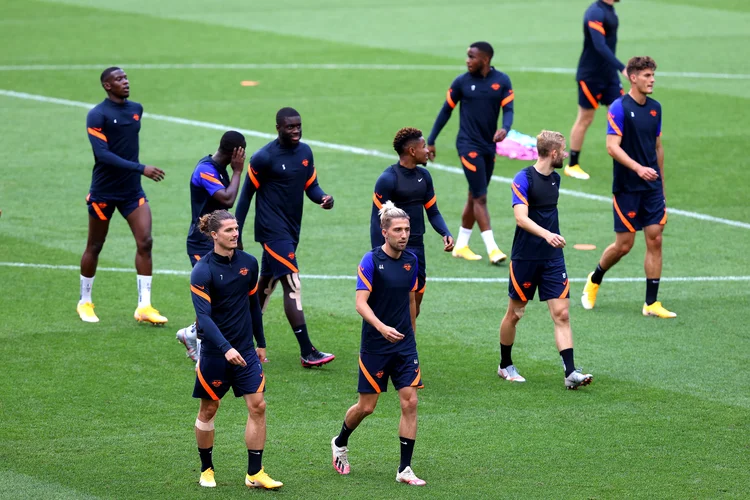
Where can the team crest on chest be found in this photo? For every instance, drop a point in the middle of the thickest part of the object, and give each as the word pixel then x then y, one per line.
pixel 653 112
pixel 305 163
pixel 495 86
pixel 243 271
pixel 407 267
pixel 136 117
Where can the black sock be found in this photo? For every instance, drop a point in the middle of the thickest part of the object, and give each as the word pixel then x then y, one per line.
pixel 254 461
pixel 568 363
pixel 407 448
pixel 574 157
pixel 505 359
pixel 598 275
pixel 305 346
pixel 343 438
pixel 652 290
pixel 206 458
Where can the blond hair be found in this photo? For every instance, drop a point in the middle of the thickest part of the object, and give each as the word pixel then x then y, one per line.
pixel 388 212
pixel 212 221
pixel 547 141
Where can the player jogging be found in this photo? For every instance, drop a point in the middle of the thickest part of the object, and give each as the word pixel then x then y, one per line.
pixel 386 288
pixel 113 126
pixel 409 187
pixel 537 260
pixel 282 172
pixel 211 189
pixel 634 143
pixel 598 75
pixel 224 285
pixel 482 91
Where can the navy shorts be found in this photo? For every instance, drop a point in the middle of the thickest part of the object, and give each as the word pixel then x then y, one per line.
pixel 549 275
pixel 478 169
pixel 421 267
pixel 104 209
pixel 591 93
pixel 279 259
pixel 375 369
pixel 215 375
pixel 196 253
pixel 634 211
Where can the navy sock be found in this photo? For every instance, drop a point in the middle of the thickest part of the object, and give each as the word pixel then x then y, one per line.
pixel 407 449
pixel 568 363
pixel 343 438
pixel 598 275
pixel 652 290
pixel 505 359
pixel 206 458
pixel 305 346
pixel 254 461
pixel 574 155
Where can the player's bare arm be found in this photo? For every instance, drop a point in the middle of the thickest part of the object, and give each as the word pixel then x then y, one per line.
pixel 615 150
pixel 363 308
pixel 660 161
pixel 413 310
pixel 524 222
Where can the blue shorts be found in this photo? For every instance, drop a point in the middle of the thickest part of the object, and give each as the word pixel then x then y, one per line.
pixel 478 169
pixel 375 369
pixel 634 211
pixel 421 269
pixel 105 209
pixel 195 252
pixel 591 93
pixel 549 275
pixel 214 375
pixel 279 258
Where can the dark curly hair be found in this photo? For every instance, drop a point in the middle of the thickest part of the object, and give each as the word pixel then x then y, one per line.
pixel 640 63
pixel 404 137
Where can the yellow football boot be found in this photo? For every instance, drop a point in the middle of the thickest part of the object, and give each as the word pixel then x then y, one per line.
pixel 262 480
pixel 576 172
pixel 656 309
pixel 588 299
pixel 465 253
pixel 86 312
pixel 497 256
pixel 149 315
pixel 207 478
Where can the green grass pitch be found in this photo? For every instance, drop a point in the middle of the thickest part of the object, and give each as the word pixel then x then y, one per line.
pixel 104 411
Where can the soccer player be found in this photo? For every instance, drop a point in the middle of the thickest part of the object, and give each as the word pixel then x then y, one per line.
pixel 225 296
pixel 386 300
pixel 113 126
pixel 598 75
pixel 482 91
pixel 282 172
pixel 634 143
pixel 537 259
pixel 211 189
pixel 409 186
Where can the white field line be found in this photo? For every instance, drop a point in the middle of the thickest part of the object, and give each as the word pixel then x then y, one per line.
pixel 436 279
pixel 346 67
pixel 351 149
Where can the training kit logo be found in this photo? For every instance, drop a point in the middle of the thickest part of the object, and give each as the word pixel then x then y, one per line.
pixel 216 383
pixel 653 112
pixel 243 271
pixel 495 86
pixel 305 163
pixel 473 155
pixel 527 284
pixel 379 374
pixel 136 117
pixel 631 214
pixel 407 267
pixel 290 255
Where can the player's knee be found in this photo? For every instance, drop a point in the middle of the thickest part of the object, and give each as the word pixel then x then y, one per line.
pixel 654 243
pixel 624 248
pixel 145 244
pixel 481 200
pixel 95 248
pixel 515 314
pixel 366 408
pixel 409 404
pixel 258 409
pixel 562 316
pixel 207 413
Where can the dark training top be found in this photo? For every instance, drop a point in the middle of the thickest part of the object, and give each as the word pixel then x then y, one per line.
pixel 539 193
pixel 390 283
pixel 639 126
pixel 412 191
pixel 208 178
pixel 598 62
pixel 113 131
pixel 281 176
pixel 481 100
pixel 226 303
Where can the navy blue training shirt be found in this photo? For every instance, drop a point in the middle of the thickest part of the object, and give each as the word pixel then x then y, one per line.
pixel 226 303
pixel 208 178
pixel 481 100
pixel 390 282
pixel 113 132
pixel 598 62
pixel 540 193
pixel 281 176
pixel 639 126
pixel 411 190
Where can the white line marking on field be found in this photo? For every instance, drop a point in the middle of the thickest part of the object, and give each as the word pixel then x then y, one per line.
pixel 344 66
pixel 353 150
pixel 436 279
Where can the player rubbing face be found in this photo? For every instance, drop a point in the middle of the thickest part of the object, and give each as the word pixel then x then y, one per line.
pixel 290 130
pixel 643 81
pixel 117 84
pixel 226 237
pixel 476 60
pixel 397 234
